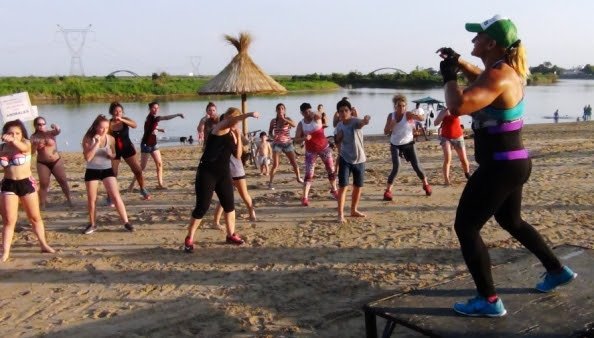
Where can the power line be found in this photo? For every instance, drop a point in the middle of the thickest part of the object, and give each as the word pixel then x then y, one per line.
pixel 195 60
pixel 75 40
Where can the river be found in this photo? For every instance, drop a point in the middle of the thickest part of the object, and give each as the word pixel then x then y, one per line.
pixel 569 96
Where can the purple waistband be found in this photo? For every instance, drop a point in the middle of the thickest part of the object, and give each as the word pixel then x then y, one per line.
pixel 506 127
pixel 511 155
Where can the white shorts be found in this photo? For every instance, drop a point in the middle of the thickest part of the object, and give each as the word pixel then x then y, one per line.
pixel 263 160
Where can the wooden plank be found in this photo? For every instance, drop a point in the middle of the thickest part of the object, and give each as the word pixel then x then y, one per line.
pixel 563 313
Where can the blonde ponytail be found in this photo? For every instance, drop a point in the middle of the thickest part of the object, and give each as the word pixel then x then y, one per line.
pixel 516 58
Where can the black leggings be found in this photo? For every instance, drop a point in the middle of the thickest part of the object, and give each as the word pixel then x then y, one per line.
pixel 496 189
pixel 410 153
pixel 209 180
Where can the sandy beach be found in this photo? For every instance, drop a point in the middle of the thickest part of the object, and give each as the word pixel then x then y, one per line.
pixel 300 273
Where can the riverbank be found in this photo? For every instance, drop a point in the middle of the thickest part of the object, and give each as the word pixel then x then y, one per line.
pixel 300 272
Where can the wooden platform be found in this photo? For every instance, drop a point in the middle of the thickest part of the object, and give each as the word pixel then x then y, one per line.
pixel 567 312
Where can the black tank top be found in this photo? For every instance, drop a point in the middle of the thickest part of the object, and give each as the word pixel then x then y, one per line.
pixel 122 137
pixel 217 151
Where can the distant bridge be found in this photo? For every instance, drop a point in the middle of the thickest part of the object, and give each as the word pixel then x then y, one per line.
pixel 122 71
pixel 396 70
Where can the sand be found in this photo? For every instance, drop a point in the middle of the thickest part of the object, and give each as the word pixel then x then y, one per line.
pixel 300 272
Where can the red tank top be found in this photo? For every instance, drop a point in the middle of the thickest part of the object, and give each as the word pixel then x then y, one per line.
pixel 318 140
pixel 450 127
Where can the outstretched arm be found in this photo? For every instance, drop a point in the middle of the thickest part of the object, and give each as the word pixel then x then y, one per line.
pixel 169 117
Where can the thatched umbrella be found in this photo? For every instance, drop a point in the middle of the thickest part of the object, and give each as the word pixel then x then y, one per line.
pixel 242 76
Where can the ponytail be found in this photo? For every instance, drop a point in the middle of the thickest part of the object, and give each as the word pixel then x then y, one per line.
pixel 516 57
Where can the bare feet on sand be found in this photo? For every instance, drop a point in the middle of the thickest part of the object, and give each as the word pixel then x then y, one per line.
pixel 357 213
pixel 252 211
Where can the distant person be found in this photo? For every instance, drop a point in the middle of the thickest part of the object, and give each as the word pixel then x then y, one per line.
pixel 18 186
pixel 119 128
pixel 214 175
pixel 322 113
pixel 352 157
pixel 49 161
pixel 589 112
pixel 99 151
pixel 399 126
pixel 148 144
pixel 495 98
pixel 280 131
pixel 190 140
pixel 451 135
pixel 420 125
pixel 263 154
pixel 207 122
pixel 311 131
pixel 585 113
pixel 556 116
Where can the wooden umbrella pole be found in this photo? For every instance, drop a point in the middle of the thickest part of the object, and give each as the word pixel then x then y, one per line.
pixel 243 111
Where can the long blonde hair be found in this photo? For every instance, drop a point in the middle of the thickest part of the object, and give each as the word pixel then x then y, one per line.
pixel 515 56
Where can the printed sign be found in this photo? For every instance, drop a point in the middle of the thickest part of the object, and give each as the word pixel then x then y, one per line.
pixel 17 106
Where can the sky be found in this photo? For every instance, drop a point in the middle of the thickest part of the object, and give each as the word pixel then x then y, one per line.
pixel 289 36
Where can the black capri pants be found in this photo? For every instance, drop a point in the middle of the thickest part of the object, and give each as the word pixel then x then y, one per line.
pixel 211 180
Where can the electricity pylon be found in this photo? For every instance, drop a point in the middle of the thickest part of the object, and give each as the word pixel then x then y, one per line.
pixel 75 40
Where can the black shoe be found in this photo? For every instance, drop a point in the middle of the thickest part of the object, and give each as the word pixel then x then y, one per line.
pixel 89 229
pixel 129 227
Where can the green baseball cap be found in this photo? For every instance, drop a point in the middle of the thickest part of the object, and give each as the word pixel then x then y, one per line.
pixel 498 28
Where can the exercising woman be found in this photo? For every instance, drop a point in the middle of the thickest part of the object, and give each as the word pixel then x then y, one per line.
pixel 495 99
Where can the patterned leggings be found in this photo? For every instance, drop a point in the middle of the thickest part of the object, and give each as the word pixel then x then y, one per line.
pixel 310 161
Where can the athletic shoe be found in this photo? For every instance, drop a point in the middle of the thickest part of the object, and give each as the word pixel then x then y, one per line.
pixel 235 239
pixel 145 194
pixel 388 195
pixel 305 201
pixel 108 202
pixel 427 189
pixel 89 229
pixel 334 194
pixel 129 227
pixel 480 307
pixel 553 280
pixel 270 187
pixel 188 245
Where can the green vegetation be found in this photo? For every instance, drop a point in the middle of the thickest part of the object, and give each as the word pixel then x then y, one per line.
pixel 418 78
pixel 76 88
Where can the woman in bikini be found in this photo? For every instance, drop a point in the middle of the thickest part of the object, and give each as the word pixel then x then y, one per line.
pixel 119 128
pixel 49 161
pixel 18 185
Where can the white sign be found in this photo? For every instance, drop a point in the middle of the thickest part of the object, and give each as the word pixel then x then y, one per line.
pixel 16 106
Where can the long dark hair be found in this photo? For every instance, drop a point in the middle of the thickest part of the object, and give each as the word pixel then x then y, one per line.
pixel 16 123
pixel 113 106
pixel 92 129
pixel 37 119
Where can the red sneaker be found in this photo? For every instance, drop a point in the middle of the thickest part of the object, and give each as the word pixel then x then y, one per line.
pixel 188 245
pixel 305 201
pixel 334 194
pixel 387 195
pixel 427 189
pixel 235 239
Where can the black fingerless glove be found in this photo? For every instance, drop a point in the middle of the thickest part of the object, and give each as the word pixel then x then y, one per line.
pixel 448 53
pixel 449 69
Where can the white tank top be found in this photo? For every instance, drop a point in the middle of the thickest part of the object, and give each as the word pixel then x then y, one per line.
pixel 100 161
pixel 402 133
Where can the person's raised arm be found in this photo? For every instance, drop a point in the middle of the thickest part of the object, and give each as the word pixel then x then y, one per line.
pixel 55 129
pixel 231 121
pixel 299 135
pixel 238 142
pixel 23 146
pixel 129 122
pixel 169 117
pixel 439 118
pixel 487 87
pixel 90 146
pixel 335 119
pixel 469 70
pixel 364 121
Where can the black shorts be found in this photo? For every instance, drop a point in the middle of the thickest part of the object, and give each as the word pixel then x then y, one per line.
pixel 126 151
pixel 98 174
pixel 20 188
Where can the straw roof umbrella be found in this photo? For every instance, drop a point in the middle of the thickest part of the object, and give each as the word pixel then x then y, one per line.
pixel 242 76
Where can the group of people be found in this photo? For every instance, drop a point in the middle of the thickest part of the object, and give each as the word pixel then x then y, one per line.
pixel 587 115
pixel 494 98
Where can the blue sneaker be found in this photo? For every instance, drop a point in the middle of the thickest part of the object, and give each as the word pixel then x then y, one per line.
pixel 480 307
pixel 553 280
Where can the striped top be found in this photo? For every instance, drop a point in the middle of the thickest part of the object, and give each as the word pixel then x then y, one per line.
pixel 281 132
